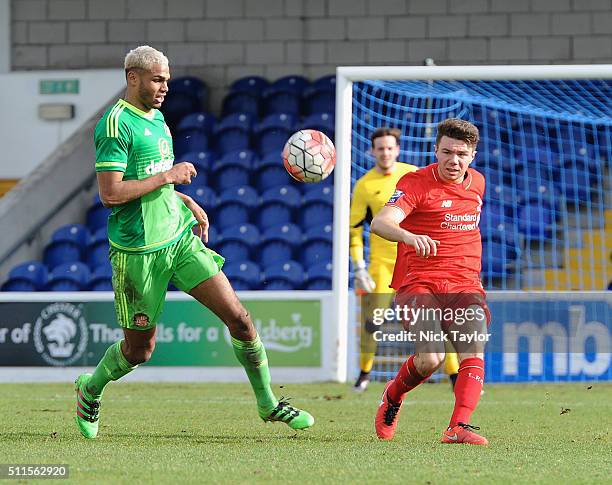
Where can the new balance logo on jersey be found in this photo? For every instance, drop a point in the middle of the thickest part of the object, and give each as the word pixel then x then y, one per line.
pixel 147 132
pixel 447 203
pixel 158 167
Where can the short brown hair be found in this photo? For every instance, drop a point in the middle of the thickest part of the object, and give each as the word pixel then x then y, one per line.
pixel 459 130
pixel 384 131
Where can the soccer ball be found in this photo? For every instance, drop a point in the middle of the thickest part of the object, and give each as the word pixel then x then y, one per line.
pixel 309 156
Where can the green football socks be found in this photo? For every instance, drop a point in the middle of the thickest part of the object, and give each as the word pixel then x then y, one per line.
pixel 112 367
pixel 252 355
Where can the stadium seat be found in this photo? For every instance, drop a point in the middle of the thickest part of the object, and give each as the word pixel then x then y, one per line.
pixel 97 249
pixel 281 100
pixel 233 169
pixel 235 206
pixel 33 272
pixel 213 236
pixel 278 243
pixel 201 121
pixel 270 172
pixel 67 244
pixel 19 285
pixel 319 277
pixel 288 275
pixel 315 213
pixel 97 215
pixel 272 132
pixel 324 122
pixel 327 182
pixel 185 95
pixel 294 83
pixel 101 278
pixel 69 277
pixel 317 248
pixel 244 275
pixel 320 96
pixel 535 221
pixel 189 141
pixel 205 197
pixel 241 102
pixel 277 206
pixel 233 132
pixel 238 243
pixel 203 162
pixel 319 193
pixel 250 84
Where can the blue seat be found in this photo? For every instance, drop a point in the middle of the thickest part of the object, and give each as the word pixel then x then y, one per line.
pixel 238 243
pixel 279 243
pixel 320 121
pixel 250 84
pixel 277 206
pixel 244 275
pixel 69 277
pixel 326 182
pixel 185 95
pixel 294 83
pixel 18 285
pixel 288 275
pixel 273 131
pixel 235 206
pixel 33 272
pixel 281 100
pixel 575 179
pixel 190 141
pixel 234 169
pixel 67 244
pixel 318 245
pixel 320 96
pixel 205 197
pixel 270 172
pixel 240 102
pixel 233 132
pixel 319 277
pixel 319 193
pixel 213 236
pixel 201 121
pixel 535 221
pixel 497 259
pixel 97 250
pixel 202 161
pixel 316 213
pixel 97 215
pixel 101 278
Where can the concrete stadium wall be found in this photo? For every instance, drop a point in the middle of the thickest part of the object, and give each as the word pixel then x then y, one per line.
pixel 221 40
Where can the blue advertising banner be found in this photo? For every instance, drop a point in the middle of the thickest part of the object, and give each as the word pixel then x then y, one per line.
pixel 549 337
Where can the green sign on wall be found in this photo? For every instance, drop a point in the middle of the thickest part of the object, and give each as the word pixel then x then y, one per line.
pixel 77 334
pixel 58 86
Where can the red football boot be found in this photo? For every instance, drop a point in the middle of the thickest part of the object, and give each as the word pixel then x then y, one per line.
pixel 387 416
pixel 462 434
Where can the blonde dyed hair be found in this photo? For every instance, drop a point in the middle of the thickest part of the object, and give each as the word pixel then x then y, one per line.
pixel 144 57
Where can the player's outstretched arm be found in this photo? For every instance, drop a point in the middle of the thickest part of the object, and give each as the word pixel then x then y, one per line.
pixel 116 191
pixel 386 224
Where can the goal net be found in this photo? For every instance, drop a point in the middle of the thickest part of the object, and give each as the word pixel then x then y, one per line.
pixel 545 152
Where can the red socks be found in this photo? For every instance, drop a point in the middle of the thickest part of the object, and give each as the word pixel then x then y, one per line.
pixel 406 379
pixel 467 389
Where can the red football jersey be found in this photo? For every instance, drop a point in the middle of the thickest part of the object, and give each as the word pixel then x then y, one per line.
pixel 444 211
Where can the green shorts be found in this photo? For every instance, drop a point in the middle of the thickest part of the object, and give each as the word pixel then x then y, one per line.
pixel 140 281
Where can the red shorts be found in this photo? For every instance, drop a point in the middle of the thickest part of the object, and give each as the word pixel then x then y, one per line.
pixel 443 294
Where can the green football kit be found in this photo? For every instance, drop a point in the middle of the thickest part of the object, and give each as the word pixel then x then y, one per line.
pixel 150 237
pixel 151 244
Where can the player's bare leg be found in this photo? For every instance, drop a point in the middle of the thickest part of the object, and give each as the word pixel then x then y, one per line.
pixel 217 294
pixel 470 381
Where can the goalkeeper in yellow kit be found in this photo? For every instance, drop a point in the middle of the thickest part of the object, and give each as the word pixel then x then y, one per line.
pixel 371 193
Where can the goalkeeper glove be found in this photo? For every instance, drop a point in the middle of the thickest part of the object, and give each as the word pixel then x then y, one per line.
pixel 363 281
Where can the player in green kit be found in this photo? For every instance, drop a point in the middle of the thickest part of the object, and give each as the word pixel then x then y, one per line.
pixel 152 243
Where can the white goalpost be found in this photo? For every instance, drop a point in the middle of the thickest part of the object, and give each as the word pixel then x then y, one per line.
pixel 538 127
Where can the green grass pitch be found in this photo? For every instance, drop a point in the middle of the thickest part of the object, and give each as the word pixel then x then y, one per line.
pixel 210 433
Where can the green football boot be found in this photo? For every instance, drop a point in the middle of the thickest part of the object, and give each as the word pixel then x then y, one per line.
pixel 88 410
pixel 293 417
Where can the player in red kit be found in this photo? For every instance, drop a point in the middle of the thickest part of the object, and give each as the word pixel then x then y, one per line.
pixel 434 215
